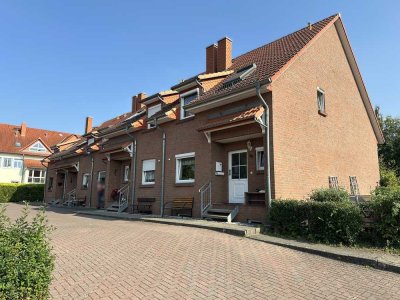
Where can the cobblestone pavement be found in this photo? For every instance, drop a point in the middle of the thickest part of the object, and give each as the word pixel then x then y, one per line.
pixel 115 259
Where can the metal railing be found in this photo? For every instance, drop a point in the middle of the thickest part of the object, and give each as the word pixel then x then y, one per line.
pixel 123 198
pixel 205 197
pixel 70 198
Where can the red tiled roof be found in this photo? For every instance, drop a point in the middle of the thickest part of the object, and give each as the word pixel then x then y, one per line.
pixel 114 121
pixel 270 58
pixel 10 135
pixel 251 113
pixel 33 164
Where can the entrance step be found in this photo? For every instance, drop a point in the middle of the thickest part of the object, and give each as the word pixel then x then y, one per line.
pixel 221 214
pixel 113 207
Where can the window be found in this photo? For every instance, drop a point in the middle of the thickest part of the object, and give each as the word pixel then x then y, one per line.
pixel 126 173
pixel 85 181
pixel 36 176
pixel 50 184
pixel 148 175
pixel 321 100
pixel 333 182
pixel 186 98
pixel 260 159
pixel 354 190
pixel 18 163
pixel 7 162
pixel 151 111
pixel 185 167
pixel 37 147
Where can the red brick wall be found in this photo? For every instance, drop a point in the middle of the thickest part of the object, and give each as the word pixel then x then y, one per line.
pixel 309 147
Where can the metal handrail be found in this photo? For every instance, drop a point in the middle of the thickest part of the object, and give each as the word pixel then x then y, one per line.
pixel 205 197
pixel 123 193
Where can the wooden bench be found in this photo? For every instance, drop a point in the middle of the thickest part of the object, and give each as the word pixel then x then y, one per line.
pixel 144 205
pixel 182 207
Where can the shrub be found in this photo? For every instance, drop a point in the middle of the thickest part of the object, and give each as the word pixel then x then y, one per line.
pixel 386 203
pixel 330 195
pixel 329 222
pixel 389 178
pixel 16 192
pixel 26 261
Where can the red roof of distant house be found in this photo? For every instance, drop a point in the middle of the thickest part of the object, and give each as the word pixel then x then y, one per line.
pixel 11 140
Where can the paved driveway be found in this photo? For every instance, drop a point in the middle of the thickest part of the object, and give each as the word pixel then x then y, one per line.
pixel 113 259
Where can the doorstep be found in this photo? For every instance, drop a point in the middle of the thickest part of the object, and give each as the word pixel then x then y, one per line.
pixel 237 229
pixel 360 256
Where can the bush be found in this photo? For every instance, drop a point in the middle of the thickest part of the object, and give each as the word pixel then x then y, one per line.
pixel 16 192
pixel 389 178
pixel 386 204
pixel 330 195
pixel 328 222
pixel 26 261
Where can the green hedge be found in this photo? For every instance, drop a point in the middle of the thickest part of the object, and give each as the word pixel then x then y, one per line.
pixel 386 205
pixel 16 192
pixel 26 259
pixel 331 195
pixel 329 222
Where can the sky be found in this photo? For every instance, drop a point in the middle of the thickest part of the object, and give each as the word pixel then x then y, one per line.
pixel 61 61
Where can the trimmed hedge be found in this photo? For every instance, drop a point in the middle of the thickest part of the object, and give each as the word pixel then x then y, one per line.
pixel 17 192
pixel 331 195
pixel 26 259
pixel 386 205
pixel 328 222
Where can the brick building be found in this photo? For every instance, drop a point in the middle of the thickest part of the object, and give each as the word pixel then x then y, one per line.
pixel 276 122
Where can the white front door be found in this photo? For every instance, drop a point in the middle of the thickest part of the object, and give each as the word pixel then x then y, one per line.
pixel 238 182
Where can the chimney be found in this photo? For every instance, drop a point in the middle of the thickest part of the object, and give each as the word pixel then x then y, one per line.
pixel 23 129
pixel 211 58
pixel 88 125
pixel 224 58
pixel 136 105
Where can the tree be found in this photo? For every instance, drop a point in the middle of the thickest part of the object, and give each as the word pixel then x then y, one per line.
pixel 389 152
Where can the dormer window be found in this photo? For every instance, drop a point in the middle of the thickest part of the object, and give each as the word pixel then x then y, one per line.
pixel 239 76
pixel 151 111
pixel 37 147
pixel 186 98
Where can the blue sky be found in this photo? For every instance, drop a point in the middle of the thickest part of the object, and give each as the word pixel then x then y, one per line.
pixel 63 60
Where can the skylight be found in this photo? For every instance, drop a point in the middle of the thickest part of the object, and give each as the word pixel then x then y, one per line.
pixel 239 76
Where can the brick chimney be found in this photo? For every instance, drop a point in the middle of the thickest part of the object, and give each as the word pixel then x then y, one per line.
pixel 136 105
pixel 211 58
pixel 224 57
pixel 88 124
pixel 23 129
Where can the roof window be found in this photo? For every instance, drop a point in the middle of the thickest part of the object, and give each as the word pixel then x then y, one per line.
pixel 239 76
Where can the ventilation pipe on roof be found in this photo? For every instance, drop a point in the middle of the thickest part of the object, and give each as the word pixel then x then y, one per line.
pixel 309 26
pixel 268 196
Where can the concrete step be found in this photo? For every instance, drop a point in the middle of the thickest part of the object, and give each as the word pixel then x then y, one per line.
pixel 112 209
pixel 216 217
pixel 219 211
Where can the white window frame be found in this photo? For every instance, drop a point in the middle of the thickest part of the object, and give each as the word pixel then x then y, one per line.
pixel 178 159
pixel 87 176
pixel 258 163
pixel 126 173
pixel 18 160
pixel 182 97
pixel 321 109
pixel 147 170
pixel 41 178
pixel 8 159
pixel 35 147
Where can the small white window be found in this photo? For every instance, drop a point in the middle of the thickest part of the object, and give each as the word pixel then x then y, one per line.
pixel 321 100
pixel 186 98
pixel 260 159
pixel 18 163
pixel 185 167
pixel 126 173
pixel 85 181
pixel 36 176
pixel 148 175
pixel 37 147
pixel 7 162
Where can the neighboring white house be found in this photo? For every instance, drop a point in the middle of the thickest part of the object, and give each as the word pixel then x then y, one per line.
pixel 22 150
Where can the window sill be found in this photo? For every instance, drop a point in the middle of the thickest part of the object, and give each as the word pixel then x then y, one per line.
pixel 147 185
pixel 187 119
pixel 322 113
pixel 184 184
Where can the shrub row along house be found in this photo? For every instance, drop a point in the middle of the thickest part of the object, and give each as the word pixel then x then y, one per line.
pixel 276 122
pixel 22 150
